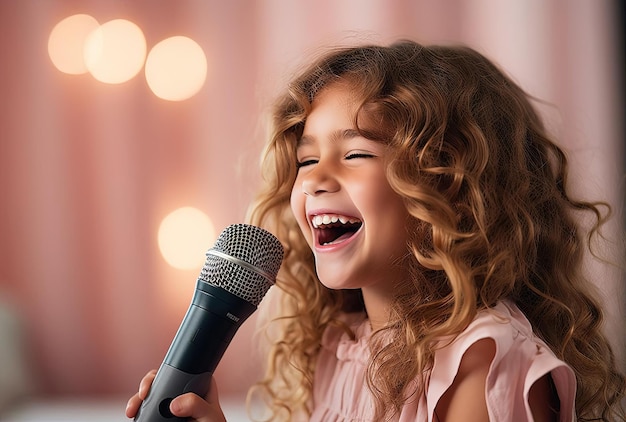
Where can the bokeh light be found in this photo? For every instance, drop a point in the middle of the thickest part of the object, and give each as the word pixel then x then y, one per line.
pixel 184 237
pixel 115 52
pixel 67 42
pixel 176 68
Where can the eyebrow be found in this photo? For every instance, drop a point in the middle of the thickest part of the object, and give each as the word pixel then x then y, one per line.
pixel 335 135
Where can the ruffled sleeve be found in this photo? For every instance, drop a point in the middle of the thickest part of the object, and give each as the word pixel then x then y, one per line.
pixel 340 392
pixel 520 360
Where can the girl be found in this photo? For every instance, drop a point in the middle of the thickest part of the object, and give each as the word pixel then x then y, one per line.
pixel 432 268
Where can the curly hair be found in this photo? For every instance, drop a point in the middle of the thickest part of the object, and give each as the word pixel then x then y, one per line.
pixel 492 220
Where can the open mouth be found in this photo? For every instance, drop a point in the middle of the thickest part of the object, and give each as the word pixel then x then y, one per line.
pixel 334 228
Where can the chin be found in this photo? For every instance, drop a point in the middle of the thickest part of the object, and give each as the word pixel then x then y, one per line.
pixel 336 282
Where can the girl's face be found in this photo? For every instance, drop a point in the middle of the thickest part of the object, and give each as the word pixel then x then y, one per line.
pixel 351 218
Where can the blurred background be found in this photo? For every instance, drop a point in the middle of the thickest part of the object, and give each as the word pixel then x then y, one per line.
pixel 130 137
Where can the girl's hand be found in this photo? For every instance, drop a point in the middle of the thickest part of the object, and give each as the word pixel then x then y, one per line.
pixel 186 405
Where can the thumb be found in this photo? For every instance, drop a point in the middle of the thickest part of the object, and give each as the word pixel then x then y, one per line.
pixel 199 410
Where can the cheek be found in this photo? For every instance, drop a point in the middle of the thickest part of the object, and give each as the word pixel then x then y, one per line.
pixel 376 192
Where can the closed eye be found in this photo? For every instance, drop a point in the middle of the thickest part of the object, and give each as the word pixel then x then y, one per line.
pixel 359 155
pixel 305 163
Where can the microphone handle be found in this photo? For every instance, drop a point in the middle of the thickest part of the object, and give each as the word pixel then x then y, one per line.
pixel 168 384
pixel 209 325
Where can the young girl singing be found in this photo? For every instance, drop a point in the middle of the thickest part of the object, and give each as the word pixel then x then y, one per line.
pixel 433 252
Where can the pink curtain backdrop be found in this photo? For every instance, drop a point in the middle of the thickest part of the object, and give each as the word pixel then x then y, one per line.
pixel 88 170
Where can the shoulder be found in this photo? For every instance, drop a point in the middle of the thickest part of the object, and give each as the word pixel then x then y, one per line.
pixel 465 398
pixel 494 364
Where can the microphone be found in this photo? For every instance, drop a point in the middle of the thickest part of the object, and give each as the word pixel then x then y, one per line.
pixel 238 271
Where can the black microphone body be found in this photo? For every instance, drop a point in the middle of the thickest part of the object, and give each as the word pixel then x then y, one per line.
pixel 227 292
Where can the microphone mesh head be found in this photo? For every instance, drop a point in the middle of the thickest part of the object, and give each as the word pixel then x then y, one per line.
pixel 253 245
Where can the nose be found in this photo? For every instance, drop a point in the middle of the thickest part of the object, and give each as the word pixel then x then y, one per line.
pixel 319 179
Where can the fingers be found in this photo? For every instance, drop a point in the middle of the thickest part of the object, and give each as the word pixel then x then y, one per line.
pixel 146 382
pixel 200 410
pixel 135 401
pixel 186 405
pixel 132 406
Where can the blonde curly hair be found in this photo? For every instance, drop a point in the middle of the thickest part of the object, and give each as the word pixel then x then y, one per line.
pixel 492 220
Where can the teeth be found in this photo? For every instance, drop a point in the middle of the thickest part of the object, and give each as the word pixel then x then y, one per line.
pixel 322 219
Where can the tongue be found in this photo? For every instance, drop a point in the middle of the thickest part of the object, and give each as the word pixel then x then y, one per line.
pixel 341 238
pixel 334 235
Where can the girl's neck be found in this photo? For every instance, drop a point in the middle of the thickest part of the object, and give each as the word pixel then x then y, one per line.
pixel 377 305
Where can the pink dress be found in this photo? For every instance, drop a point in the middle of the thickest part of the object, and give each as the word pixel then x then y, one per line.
pixel 340 392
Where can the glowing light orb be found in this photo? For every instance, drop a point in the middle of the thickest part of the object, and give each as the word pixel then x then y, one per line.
pixel 184 237
pixel 115 52
pixel 176 68
pixel 66 43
